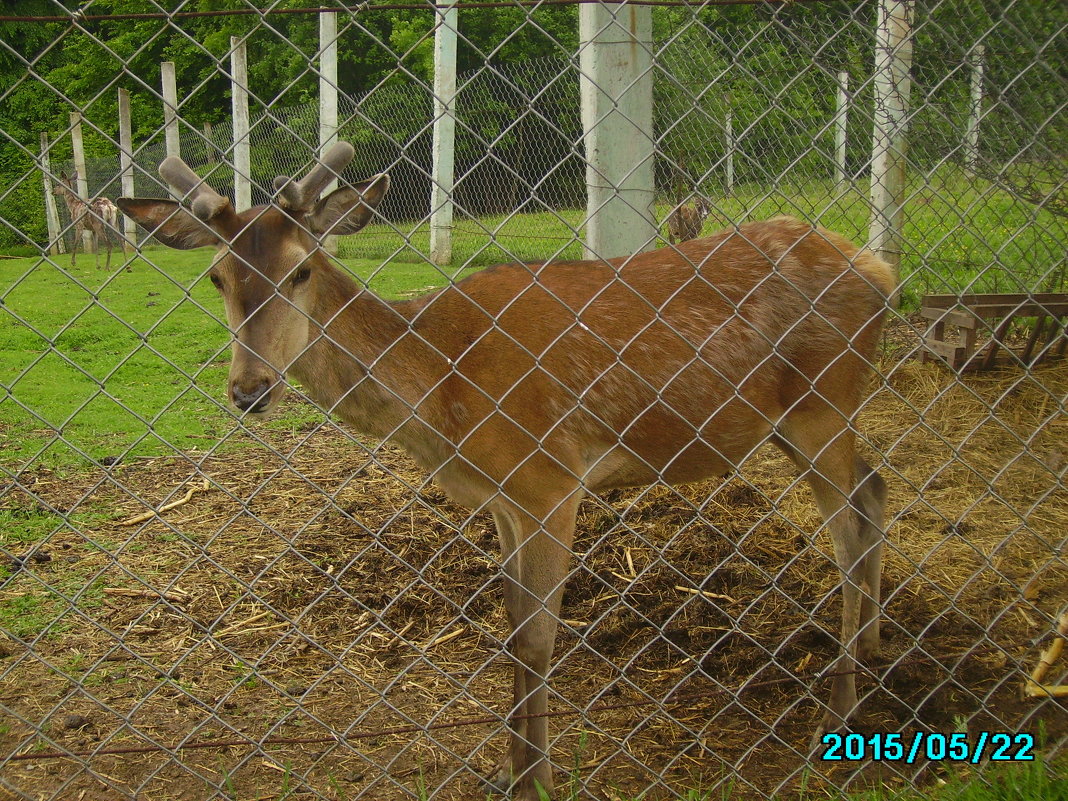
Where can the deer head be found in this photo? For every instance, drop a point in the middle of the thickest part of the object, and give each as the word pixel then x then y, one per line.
pixel 268 260
pixel 65 184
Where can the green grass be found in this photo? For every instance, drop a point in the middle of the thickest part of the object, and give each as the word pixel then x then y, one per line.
pixel 97 364
pixel 1028 781
pixel 961 234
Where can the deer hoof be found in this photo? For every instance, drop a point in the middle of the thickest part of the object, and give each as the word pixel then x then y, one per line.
pixel 499 782
pixel 830 724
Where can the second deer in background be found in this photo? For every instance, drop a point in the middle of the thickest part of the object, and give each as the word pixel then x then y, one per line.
pixel 96 217
pixel 685 221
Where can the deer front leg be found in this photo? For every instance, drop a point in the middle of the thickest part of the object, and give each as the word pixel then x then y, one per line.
pixel 502 777
pixel 536 560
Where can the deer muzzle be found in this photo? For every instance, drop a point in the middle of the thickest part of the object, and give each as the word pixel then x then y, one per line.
pixel 253 397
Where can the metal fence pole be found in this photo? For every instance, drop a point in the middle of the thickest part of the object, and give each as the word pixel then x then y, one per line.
pixel 616 89
pixel 893 60
pixel 242 155
pixel 443 152
pixel 126 165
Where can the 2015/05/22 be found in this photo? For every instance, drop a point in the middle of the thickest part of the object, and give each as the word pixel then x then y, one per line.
pixel 934 746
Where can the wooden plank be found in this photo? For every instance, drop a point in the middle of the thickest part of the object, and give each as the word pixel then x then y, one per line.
pixel 995 342
pixel 953 354
pixel 55 238
pixel 948 301
pixel 992 310
pixel 1032 340
pixel 1049 350
pixel 964 318
pixel 989 310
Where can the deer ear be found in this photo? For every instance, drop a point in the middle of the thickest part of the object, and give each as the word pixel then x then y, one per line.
pixel 168 222
pixel 348 209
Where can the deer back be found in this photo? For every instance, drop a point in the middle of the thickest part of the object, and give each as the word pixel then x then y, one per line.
pixel 708 343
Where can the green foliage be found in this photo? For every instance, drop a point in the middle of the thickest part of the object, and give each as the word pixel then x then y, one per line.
pixel 772 65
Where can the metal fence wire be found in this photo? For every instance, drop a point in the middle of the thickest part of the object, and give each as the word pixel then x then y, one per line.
pixel 200 604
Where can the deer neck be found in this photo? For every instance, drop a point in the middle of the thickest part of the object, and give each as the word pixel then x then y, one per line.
pixel 70 199
pixel 367 366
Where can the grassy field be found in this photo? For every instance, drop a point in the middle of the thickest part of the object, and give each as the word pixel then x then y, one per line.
pixel 97 365
pixel 110 365
pixel 103 366
pixel 960 234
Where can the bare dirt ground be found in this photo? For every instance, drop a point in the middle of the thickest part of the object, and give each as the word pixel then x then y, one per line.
pixel 326 599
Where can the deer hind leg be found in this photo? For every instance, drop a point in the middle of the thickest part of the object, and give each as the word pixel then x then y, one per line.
pixel 95 234
pixel 850 497
pixel 869 501
pixel 536 556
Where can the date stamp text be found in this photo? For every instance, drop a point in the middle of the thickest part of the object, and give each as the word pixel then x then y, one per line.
pixel 929 746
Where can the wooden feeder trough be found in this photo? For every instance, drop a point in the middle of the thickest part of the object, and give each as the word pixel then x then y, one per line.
pixel 993 313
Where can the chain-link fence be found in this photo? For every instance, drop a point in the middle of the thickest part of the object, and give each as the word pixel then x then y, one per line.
pixel 197 604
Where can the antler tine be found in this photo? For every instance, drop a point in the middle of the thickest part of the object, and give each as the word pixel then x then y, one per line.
pixel 204 201
pixel 300 195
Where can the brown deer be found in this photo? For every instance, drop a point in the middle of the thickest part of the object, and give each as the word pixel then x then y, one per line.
pixel 96 217
pixel 685 222
pixel 525 386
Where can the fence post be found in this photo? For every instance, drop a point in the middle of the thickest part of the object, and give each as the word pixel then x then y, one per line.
pixel 209 143
pixel 443 154
pixel 728 133
pixel 170 109
pixel 841 128
pixel 82 184
pixel 126 180
pixel 975 108
pixel 616 91
pixel 893 60
pixel 55 241
pixel 242 156
pixel 328 98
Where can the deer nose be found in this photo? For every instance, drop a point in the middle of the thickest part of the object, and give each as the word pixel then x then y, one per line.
pixel 255 400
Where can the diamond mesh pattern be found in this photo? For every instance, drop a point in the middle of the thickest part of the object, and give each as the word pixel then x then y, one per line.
pixel 196 604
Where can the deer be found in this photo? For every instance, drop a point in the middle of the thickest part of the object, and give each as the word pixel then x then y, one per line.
pixel 96 217
pixel 523 388
pixel 685 222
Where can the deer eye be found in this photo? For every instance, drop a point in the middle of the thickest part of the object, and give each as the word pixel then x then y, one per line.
pixel 216 281
pixel 300 275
